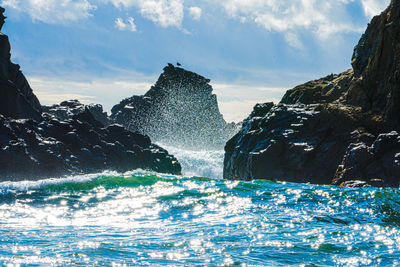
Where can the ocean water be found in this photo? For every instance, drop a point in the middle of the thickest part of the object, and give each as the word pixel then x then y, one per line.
pixel 145 218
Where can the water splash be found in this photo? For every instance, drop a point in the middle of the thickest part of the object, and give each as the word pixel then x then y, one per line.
pixel 200 163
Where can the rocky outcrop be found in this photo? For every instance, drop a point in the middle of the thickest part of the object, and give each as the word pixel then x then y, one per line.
pixel 296 142
pixel 179 109
pixel 337 129
pixel 16 96
pixel 330 89
pixel 67 109
pixel 54 148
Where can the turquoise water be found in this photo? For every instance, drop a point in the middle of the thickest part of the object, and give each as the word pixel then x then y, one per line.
pixel 143 218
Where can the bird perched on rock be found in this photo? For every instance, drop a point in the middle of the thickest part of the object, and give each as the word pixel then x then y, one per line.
pixel 178 64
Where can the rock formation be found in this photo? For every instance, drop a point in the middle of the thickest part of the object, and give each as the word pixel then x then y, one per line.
pixel 376 65
pixel 377 164
pixel 54 148
pixel 16 96
pixel 337 129
pixel 67 109
pixel 67 139
pixel 296 142
pixel 179 109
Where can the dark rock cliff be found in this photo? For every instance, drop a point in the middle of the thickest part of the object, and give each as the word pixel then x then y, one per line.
pixel 180 109
pixel 16 96
pixel 376 64
pixel 333 130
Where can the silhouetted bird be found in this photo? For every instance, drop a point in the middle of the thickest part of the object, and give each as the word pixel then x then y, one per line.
pixel 179 64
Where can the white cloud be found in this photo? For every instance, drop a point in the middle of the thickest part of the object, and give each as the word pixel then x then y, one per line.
pixel 163 12
pixel 128 25
pixel 321 18
pixel 293 40
pixel 374 7
pixel 53 11
pixel 195 12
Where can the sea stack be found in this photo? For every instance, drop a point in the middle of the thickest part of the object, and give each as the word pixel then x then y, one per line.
pixel 180 110
pixel 336 129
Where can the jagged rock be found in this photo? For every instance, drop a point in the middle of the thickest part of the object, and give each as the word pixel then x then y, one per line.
pixel 52 148
pixel 329 89
pixel 67 109
pixel 330 130
pixel 378 164
pixel 296 143
pixel 260 110
pixel 376 64
pixel 179 109
pixel 16 96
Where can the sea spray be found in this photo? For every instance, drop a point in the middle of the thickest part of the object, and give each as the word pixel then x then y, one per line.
pixel 200 163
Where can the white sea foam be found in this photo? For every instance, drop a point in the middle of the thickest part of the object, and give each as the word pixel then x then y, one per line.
pixel 22 186
pixel 201 163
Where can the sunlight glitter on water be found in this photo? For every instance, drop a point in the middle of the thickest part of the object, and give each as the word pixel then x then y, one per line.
pixel 144 218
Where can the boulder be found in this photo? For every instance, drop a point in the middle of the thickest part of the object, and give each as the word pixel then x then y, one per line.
pixel 378 163
pixel 180 110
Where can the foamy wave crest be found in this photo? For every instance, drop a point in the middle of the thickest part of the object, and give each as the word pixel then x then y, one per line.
pixel 23 186
pixel 202 163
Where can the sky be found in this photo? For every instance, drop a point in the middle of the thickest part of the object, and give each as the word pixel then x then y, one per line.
pixel 101 51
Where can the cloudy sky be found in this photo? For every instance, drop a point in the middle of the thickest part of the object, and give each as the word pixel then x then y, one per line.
pixel 253 50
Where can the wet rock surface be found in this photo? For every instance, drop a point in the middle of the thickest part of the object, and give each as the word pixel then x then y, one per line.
pixel 378 163
pixel 53 148
pixel 332 88
pixel 296 143
pixel 67 109
pixel 180 109
pixel 341 129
